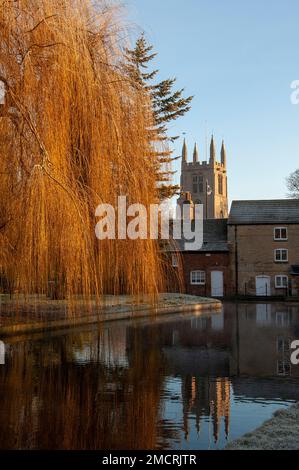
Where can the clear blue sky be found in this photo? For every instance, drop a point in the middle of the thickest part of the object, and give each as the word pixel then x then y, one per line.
pixel 238 58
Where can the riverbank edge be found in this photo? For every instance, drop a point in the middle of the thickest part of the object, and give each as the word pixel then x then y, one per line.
pixel 281 432
pixel 130 312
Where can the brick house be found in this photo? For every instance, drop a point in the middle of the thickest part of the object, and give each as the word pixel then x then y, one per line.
pixel 206 271
pixel 263 239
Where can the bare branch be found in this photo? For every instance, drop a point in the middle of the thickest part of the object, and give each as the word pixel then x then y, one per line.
pixel 44 20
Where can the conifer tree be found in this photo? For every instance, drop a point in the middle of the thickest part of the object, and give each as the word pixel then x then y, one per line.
pixel 167 106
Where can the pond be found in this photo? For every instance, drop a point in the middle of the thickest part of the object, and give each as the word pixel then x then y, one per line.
pixel 174 382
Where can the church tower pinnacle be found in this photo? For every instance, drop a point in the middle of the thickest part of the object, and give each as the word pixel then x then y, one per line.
pixel 195 154
pixel 184 152
pixel 212 151
pixel 223 154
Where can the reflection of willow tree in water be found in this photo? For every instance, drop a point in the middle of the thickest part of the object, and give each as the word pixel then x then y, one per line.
pixel 51 402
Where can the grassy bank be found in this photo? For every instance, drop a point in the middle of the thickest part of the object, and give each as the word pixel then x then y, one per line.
pixel 279 433
pixel 41 314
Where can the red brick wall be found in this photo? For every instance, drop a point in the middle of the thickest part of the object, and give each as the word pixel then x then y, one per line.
pixel 193 261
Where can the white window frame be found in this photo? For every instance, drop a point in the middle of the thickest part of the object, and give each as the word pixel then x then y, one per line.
pixel 280 229
pixel 284 367
pixel 280 250
pixel 283 345
pixel 174 260
pixel 202 278
pixel 281 286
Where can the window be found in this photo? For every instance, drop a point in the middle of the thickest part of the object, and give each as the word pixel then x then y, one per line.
pixel 283 345
pixel 174 261
pixel 283 367
pixel 197 182
pixel 281 281
pixel 200 184
pixel 280 233
pixel 198 277
pixel 220 184
pixel 194 179
pixel 281 255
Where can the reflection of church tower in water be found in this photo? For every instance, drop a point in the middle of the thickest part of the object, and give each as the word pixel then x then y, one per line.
pixel 205 182
pixel 220 406
pixel 206 397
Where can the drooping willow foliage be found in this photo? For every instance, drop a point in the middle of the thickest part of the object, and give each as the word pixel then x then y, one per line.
pixel 73 134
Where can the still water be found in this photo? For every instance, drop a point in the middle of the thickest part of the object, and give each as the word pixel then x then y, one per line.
pixel 177 382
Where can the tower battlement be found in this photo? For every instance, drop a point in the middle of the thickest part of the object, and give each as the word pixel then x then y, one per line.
pixel 204 164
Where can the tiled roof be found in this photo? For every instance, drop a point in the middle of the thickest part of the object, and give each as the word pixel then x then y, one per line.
pixel 280 211
pixel 214 236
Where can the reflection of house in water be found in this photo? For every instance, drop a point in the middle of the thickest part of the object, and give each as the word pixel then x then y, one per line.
pixel 213 354
pixel 262 335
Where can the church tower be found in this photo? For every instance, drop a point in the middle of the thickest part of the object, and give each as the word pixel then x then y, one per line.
pixel 205 182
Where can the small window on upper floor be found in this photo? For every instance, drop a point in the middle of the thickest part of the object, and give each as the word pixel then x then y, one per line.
pixel 280 233
pixel 281 255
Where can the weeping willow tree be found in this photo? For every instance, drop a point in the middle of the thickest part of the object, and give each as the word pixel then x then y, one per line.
pixel 73 134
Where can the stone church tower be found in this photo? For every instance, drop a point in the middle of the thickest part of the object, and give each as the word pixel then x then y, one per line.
pixel 205 182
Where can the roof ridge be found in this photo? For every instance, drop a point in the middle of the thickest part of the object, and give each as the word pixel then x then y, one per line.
pixel 265 200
